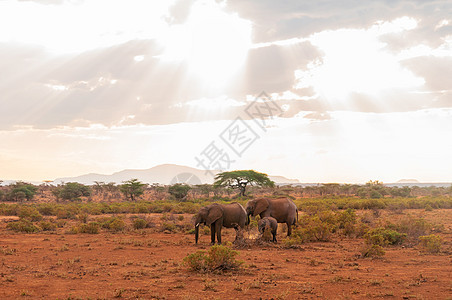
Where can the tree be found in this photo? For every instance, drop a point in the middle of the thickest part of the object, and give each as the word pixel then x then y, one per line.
pixel 132 188
pixel 72 191
pixel 240 179
pixel 22 190
pixel 179 191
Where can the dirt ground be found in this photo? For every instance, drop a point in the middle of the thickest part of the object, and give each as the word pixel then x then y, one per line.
pixel 146 264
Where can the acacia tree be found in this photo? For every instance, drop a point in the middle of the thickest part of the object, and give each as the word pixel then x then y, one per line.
pixel 132 188
pixel 179 191
pixel 241 178
pixel 22 190
pixel 71 191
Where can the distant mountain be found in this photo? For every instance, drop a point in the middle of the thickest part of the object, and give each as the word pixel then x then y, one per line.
pixel 408 181
pixel 283 180
pixel 162 174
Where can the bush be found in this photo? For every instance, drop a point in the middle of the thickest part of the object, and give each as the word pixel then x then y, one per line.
pixel 47 209
pixel 372 251
pixel 414 227
pixel 431 243
pixel 117 225
pixel 311 229
pixel 91 228
pixel 29 213
pixel 23 225
pixel 168 226
pixel 179 191
pixel 382 237
pixel 72 191
pixel 112 223
pixel 67 212
pixel 346 221
pixel 22 190
pixel 139 223
pixel 218 259
pixel 47 226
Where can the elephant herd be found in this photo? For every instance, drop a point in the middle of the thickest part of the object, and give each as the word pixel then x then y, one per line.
pixel 233 215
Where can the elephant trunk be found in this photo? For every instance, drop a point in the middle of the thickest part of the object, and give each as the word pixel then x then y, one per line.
pixel 196 233
pixel 247 219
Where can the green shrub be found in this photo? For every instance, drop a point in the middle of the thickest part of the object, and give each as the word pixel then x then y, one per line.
pixel 310 229
pixel 139 223
pixel 47 226
pixel 428 207
pixel 346 221
pixel 29 213
pixel 168 226
pixel 117 225
pixel 253 223
pixel 22 190
pixel 414 227
pixel 112 223
pixel 23 225
pixel 179 191
pixel 382 237
pixel 372 251
pixel 91 228
pixel 219 258
pixel 67 212
pixel 431 243
pixel 83 217
pixel 47 209
pixel 72 191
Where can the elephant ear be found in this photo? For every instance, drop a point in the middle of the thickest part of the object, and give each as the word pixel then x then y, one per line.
pixel 215 212
pixel 261 205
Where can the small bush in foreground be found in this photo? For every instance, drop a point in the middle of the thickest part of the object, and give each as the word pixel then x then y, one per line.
pixel 431 243
pixel 382 237
pixel 23 225
pixel 372 251
pixel 414 227
pixel 218 259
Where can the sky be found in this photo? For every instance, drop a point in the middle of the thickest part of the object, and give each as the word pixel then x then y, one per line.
pixel 320 91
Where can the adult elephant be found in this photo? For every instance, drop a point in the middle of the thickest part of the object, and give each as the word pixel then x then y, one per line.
pixel 216 216
pixel 282 209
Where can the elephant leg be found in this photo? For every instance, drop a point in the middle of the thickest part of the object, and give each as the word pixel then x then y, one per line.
pixel 218 229
pixel 289 228
pixel 212 233
pixel 274 236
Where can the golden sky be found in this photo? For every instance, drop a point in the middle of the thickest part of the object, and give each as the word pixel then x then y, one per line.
pixel 364 87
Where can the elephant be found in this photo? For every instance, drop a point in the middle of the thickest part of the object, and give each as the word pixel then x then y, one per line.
pixel 216 216
pixel 270 223
pixel 282 209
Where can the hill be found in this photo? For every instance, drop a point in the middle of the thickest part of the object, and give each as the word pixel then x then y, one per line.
pixel 162 174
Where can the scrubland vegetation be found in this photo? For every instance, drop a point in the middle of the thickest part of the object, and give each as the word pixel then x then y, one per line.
pixel 340 229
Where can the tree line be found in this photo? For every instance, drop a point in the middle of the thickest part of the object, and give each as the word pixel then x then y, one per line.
pixel 226 185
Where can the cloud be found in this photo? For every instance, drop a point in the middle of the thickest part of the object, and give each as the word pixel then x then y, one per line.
pixel 130 78
pixel 178 13
pixel 318 116
pixel 272 68
pixel 277 21
pixel 437 71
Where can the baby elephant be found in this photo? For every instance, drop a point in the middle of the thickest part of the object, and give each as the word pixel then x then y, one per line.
pixel 270 223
